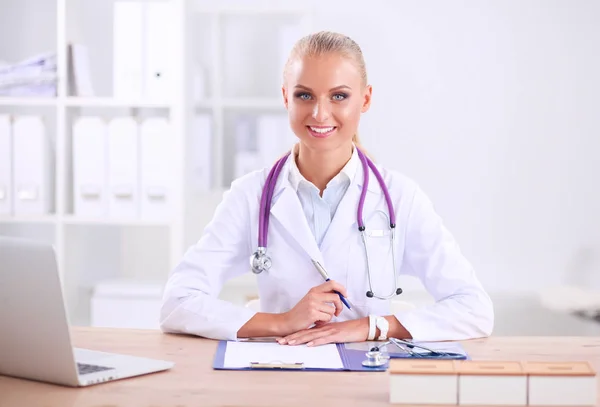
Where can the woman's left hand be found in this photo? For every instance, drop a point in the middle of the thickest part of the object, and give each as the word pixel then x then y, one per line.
pixel 356 330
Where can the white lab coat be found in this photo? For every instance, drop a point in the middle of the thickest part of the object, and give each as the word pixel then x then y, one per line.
pixel 425 249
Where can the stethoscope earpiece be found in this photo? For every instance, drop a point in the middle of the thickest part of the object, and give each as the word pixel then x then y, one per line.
pixel 399 291
pixel 370 294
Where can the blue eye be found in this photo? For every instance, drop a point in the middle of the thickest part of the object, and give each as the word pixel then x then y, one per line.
pixel 340 96
pixel 302 96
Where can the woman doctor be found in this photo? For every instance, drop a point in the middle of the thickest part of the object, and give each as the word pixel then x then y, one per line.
pixel 320 199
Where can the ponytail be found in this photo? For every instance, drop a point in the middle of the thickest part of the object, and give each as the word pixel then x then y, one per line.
pixel 356 141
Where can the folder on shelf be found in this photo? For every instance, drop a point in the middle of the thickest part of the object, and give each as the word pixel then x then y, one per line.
pixel 89 167
pixel 123 174
pixel 80 76
pixel 33 167
pixel 158 26
pixel 127 49
pixel 245 355
pixel 5 165
pixel 156 166
pixel 142 50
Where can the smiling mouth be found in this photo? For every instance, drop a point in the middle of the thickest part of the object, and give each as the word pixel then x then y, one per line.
pixel 321 131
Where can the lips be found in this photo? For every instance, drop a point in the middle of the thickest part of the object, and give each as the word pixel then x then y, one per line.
pixel 321 131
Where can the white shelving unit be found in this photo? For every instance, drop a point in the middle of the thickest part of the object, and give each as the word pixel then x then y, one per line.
pixel 236 49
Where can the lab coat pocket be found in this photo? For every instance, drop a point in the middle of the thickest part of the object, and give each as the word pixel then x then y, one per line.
pixel 370 264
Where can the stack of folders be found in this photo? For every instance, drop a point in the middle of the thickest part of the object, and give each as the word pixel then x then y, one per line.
pixel 26 166
pixel 478 383
pixel 123 168
pixel 34 76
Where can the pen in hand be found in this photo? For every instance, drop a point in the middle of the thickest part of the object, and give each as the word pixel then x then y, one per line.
pixel 323 273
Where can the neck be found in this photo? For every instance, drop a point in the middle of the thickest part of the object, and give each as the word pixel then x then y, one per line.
pixel 319 167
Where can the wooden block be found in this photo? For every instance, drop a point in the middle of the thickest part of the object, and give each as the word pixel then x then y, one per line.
pixel 561 383
pixel 423 382
pixel 491 383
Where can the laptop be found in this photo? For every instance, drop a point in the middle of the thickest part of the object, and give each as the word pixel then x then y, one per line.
pixel 35 341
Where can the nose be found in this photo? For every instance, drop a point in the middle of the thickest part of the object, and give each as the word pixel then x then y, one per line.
pixel 321 111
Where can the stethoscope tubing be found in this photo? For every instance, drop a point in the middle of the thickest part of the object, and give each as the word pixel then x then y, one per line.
pixel 260 260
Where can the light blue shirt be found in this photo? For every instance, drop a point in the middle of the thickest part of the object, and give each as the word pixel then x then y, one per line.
pixel 319 211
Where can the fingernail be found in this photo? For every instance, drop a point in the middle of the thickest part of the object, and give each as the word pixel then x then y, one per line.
pixel 292 342
pixel 309 344
pixel 281 341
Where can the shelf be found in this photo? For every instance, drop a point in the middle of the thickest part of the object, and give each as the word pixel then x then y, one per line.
pixel 27 101
pixel 254 103
pixel 111 102
pixel 76 220
pixel 30 219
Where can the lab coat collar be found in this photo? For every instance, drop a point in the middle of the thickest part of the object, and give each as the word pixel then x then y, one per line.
pixel 290 176
pixel 347 173
pixel 287 210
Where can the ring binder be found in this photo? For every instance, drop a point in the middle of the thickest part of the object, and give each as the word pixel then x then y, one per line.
pixel 276 364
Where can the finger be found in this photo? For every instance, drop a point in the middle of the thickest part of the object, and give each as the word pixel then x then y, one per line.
pixel 328 308
pixel 331 299
pixel 332 285
pixel 331 337
pixel 324 316
pixel 290 339
pixel 295 335
pixel 311 336
pixel 335 299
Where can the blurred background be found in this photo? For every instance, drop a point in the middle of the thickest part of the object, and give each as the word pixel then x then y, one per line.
pixel 123 122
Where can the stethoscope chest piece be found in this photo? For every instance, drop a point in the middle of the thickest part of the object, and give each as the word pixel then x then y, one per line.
pixel 375 359
pixel 259 261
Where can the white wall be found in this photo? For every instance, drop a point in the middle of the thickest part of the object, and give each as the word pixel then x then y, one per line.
pixel 27 29
pixel 492 106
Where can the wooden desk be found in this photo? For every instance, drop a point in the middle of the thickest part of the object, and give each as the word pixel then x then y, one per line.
pixel 192 382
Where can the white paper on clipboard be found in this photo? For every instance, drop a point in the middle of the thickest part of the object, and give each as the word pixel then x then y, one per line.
pixel 241 354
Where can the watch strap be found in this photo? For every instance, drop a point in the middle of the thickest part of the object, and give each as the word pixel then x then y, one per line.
pixel 372 327
pixel 383 326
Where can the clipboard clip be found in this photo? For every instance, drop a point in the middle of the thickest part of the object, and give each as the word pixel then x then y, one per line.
pixel 276 364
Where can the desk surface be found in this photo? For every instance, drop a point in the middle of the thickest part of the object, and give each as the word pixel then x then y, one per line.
pixel 192 382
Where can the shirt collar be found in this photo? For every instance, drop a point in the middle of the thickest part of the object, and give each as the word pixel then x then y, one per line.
pixel 346 174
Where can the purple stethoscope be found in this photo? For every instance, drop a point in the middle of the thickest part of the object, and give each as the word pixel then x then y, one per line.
pixel 260 261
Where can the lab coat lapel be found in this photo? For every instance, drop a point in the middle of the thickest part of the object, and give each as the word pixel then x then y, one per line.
pixel 344 223
pixel 287 210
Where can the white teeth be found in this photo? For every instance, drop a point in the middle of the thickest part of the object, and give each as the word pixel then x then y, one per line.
pixel 321 129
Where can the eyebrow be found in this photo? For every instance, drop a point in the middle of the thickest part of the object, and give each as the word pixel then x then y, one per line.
pixel 331 90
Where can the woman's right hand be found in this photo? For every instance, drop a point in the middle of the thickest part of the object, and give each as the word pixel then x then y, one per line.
pixel 318 306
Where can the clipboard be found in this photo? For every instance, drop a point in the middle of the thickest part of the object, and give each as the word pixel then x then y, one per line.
pixel 351 361
pixel 352 356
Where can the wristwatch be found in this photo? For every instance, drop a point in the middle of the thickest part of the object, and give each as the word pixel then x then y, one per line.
pixel 384 326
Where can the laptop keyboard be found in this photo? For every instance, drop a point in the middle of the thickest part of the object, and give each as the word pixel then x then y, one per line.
pixel 83 368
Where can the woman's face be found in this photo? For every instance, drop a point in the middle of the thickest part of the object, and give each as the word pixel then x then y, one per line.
pixel 325 97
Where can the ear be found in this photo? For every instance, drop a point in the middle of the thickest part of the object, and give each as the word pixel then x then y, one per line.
pixel 285 96
pixel 368 93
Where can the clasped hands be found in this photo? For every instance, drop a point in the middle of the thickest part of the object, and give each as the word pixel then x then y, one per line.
pixel 309 321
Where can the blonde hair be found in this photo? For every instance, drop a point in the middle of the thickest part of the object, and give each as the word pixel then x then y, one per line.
pixel 328 42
